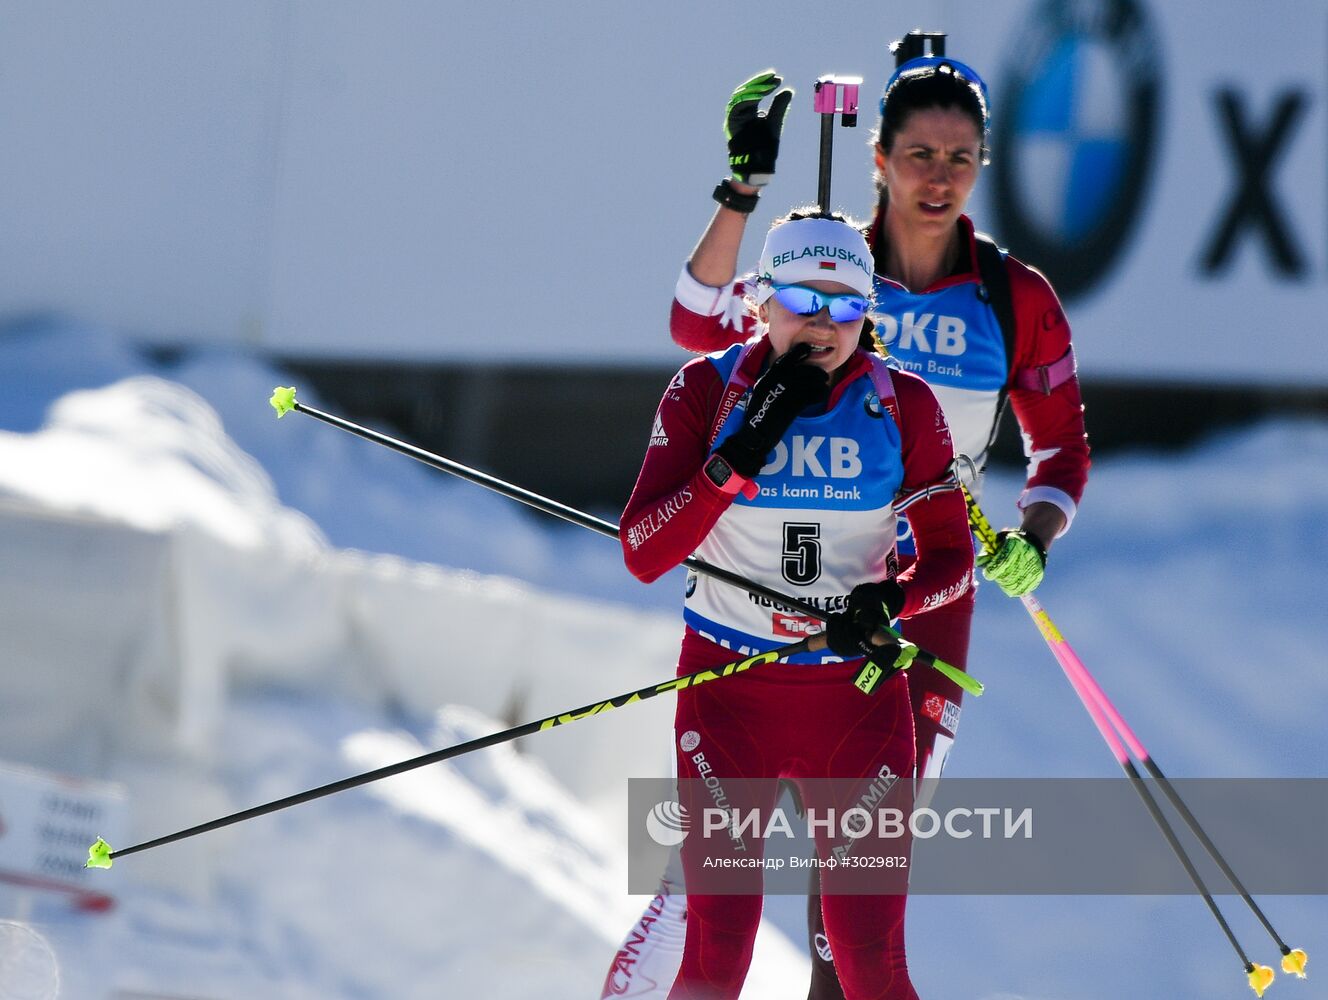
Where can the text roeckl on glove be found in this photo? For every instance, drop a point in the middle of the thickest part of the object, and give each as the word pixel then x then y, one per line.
pixel 787 388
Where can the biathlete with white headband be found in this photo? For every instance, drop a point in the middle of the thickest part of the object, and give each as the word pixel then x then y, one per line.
pixel 977 324
pixel 780 459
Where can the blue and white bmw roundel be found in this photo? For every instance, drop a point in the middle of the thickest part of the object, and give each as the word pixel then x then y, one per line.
pixel 1073 141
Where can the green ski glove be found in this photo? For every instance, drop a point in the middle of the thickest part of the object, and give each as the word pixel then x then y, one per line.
pixel 1016 564
pixel 753 135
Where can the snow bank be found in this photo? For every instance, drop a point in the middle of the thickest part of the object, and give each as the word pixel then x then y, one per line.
pixel 194 577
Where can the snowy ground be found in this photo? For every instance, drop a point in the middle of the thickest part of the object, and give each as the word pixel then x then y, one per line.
pixel 1192 585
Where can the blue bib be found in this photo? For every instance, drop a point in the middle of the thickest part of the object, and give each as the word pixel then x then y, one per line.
pixel 948 337
pixel 821 522
pixel 952 340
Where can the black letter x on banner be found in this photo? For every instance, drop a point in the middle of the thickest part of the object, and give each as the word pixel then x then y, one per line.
pixel 1252 203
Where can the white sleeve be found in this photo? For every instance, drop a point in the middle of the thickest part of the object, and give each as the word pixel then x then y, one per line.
pixel 703 299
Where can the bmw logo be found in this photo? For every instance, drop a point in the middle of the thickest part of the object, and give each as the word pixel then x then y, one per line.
pixel 1073 136
pixel 872 404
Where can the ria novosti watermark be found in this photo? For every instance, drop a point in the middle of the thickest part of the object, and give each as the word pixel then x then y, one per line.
pixel 973 836
pixel 854 826
pixel 668 823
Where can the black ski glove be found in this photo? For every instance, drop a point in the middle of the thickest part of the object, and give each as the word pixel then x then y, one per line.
pixel 871 606
pixel 753 135
pixel 876 604
pixel 784 391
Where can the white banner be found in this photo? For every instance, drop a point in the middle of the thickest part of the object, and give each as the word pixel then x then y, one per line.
pixel 521 182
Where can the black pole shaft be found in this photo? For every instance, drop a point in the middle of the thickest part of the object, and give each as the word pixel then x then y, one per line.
pixel 575 516
pixel 548 506
pixel 481 743
pixel 1197 829
pixel 827 157
pixel 1154 810
pixel 466 472
pixel 987 537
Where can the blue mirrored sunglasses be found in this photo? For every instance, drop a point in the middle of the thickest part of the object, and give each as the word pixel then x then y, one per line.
pixel 806 301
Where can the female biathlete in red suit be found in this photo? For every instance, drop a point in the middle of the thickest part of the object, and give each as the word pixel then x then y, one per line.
pixel 799 430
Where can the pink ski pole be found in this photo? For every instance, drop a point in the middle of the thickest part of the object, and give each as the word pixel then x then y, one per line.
pixel 1117 734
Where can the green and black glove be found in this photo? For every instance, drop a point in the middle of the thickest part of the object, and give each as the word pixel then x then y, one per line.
pixel 849 633
pixel 871 606
pixel 876 605
pixel 752 134
pixel 1016 563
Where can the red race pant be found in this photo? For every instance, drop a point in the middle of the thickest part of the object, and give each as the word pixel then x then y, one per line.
pixel 743 733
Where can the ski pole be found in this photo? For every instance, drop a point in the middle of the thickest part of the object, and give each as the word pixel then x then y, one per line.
pixel 101 855
pixel 283 401
pixel 1118 735
pixel 869 678
pixel 1259 976
pixel 827 102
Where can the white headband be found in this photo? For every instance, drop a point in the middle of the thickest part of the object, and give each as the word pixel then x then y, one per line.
pixel 814 250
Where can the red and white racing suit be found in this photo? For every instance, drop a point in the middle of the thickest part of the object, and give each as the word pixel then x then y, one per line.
pixel 838 472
